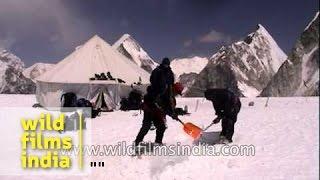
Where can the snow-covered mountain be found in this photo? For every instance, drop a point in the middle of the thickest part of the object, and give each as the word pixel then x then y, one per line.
pixel 188 65
pixel 245 67
pixel 130 48
pixel 186 70
pixel 36 70
pixel 12 80
pixel 299 74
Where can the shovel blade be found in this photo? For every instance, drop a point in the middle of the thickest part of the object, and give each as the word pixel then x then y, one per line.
pixel 192 130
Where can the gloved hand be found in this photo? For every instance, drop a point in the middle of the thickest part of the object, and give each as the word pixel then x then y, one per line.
pixel 174 116
pixel 216 120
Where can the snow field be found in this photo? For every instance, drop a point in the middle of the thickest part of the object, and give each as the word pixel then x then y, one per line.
pixel 285 135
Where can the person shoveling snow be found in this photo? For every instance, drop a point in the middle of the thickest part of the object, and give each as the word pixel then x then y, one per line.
pixel 227 106
pixel 159 101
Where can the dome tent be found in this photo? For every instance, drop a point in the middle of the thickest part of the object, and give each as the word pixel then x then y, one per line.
pixel 73 74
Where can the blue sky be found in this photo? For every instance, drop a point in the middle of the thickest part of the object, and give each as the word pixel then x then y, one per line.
pixel 48 30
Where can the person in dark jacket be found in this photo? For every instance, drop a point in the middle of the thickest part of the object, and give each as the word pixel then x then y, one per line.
pixel 155 111
pixel 162 78
pixel 227 106
pixel 161 82
pixel 152 115
pixel 159 101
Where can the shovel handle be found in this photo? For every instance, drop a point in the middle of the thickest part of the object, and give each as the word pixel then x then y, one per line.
pixel 179 120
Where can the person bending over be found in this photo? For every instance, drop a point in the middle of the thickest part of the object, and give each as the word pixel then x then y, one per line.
pixel 227 106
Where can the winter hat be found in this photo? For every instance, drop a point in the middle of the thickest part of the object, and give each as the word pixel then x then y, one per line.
pixel 165 61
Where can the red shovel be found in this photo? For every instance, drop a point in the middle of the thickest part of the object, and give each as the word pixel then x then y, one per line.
pixel 191 129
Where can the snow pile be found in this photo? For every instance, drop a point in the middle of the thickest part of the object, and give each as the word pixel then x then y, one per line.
pixel 12 80
pixel 245 67
pixel 36 70
pixel 130 48
pixel 285 135
pixel 299 74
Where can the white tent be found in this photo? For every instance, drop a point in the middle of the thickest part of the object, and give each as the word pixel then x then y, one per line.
pixel 73 74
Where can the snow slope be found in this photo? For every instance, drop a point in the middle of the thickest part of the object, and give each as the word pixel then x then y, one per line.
pixel 186 70
pixel 188 65
pixel 12 80
pixel 130 48
pixel 276 53
pixel 245 67
pixel 313 20
pixel 285 135
pixel 36 70
pixel 299 74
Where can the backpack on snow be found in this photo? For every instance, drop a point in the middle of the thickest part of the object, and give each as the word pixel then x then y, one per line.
pixel 133 102
pixel 68 99
pixel 82 102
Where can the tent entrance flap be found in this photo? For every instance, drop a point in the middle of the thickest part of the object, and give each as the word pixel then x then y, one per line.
pixel 103 100
pixel 101 103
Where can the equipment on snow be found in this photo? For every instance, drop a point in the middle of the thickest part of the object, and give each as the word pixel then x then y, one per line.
pixel 191 129
pixel 68 99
